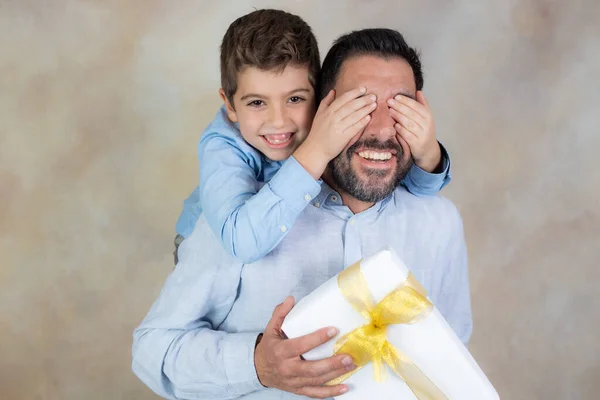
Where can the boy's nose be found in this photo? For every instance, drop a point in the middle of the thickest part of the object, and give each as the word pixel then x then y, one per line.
pixel 277 116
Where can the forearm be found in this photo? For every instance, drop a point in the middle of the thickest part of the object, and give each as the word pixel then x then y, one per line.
pixel 250 226
pixel 195 364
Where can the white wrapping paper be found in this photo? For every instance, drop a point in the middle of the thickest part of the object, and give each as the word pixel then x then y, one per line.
pixel 430 343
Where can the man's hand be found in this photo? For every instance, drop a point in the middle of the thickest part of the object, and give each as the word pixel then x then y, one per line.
pixel 279 365
pixel 335 124
pixel 415 125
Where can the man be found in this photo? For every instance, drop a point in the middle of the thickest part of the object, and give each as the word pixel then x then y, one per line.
pixel 213 334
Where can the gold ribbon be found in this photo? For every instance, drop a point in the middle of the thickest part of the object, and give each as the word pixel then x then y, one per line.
pixel 406 304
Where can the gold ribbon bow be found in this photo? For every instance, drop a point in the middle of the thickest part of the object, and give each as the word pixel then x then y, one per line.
pixel 406 304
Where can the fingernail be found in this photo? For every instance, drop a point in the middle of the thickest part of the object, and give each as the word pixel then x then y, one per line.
pixel 391 102
pixel 398 97
pixel 350 367
pixel 332 332
pixel 372 97
pixel 363 90
pixel 343 389
pixel 347 360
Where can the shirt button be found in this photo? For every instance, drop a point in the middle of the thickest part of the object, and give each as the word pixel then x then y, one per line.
pixel 307 197
pixel 351 222
pixel 334 198
pixel 283 228
pixel 317 204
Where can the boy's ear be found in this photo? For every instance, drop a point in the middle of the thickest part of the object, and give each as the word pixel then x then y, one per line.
pixel 230 110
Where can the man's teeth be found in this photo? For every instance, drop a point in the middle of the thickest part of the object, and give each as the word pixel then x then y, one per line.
pixel 375 155
pixel 278 138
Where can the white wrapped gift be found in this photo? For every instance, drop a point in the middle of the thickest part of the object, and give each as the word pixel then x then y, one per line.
pixel 429 342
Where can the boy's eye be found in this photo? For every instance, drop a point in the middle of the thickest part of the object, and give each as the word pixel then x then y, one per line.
pixel 256 103
pixel 296 99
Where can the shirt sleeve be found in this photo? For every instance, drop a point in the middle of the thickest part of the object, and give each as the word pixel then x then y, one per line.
pixel 189 214
pixel 455 298
pixel 249 220
pixel 178 350
pixel 422 183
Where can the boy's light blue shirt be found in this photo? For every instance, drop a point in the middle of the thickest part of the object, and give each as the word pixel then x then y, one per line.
pixel 250 202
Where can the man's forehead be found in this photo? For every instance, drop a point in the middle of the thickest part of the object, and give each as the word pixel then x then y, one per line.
pixel 388 76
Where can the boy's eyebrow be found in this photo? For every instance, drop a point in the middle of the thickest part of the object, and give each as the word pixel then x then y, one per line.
pixel 247 96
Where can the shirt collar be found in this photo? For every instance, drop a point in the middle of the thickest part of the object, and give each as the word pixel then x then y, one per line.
pixel 332 199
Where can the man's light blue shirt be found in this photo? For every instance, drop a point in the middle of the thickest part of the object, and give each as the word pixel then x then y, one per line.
pixel 197 341
pixel 249 216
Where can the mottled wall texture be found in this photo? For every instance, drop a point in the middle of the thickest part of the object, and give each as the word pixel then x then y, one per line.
pixel 101 106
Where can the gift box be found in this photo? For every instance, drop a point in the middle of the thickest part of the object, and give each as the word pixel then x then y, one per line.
pixel 403 346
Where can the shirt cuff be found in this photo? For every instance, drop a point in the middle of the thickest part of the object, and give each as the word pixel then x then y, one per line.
pixel 238 359
pixel 295 185
pixel 430 182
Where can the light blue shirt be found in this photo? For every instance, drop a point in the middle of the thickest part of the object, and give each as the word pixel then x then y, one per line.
pixel 251 217
pixel 197 341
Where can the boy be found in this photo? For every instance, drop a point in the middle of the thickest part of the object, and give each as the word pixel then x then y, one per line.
pixel 259 166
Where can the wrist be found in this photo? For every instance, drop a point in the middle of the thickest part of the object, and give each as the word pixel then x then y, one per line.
pixel 431 161
pixel 256 359
pixel 311 159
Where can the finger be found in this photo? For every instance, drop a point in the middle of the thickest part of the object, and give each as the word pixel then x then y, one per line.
pixel 300 345
pixel 356 129
pixel 334 374
pixel 323 392
pixel 421 99
pixel 303 382
pixel 407 111
pixel 320 380
pixel 348 96
pixel 279 314
pixel 403 142
pixel 413 104
pixel 410 138
pixel 359 115
pixel 406 122
pixel 357 104
pixel 327 100
pixel 319 368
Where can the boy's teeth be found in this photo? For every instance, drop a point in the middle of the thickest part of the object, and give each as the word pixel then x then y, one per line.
pixel 278 138
pixel 375 155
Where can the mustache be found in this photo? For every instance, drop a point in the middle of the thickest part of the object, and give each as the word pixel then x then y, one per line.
pixel 374 144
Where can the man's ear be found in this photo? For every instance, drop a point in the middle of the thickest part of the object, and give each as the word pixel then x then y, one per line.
pixel 230 110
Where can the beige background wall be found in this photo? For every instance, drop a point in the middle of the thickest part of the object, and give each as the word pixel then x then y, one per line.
pixel 101 107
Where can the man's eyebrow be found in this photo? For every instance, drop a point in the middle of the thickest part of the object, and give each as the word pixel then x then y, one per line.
pixel 256 95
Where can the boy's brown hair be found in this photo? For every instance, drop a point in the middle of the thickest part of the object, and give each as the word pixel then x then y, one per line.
pixel 267 40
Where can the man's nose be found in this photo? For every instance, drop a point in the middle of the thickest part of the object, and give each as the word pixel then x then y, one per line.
pixel 277 116
pixel 381 126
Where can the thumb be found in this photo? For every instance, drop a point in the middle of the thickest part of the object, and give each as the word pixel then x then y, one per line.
pixel 279 314
pixel 421 99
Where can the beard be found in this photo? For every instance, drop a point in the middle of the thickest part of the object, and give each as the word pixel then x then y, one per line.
pixel 375 184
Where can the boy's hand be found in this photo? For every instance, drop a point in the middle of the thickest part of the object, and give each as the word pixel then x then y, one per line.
pixel 335 124
pixel 415 125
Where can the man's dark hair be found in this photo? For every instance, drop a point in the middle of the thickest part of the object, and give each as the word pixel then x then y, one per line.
pixel 385 43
